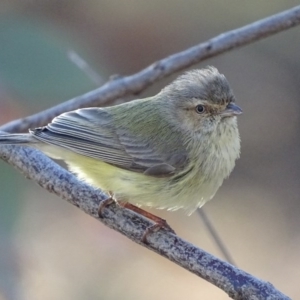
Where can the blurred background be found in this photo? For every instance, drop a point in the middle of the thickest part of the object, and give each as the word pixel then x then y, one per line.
pixel 51 250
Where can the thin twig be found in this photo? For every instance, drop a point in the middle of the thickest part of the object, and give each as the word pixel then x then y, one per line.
pixel 85 67
pixel 216 237
pixel 134 84
pixel 235 282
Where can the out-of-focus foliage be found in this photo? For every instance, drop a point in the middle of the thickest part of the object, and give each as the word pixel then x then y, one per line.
pixel 50 250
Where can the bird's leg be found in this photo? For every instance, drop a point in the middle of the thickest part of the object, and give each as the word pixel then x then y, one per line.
pixel 159 222
pixel 146 214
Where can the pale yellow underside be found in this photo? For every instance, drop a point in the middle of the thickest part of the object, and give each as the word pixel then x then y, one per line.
pixel 137 188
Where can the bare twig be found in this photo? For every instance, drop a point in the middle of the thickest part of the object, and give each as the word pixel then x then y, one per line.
pixel 122 86
pixel 235 282
pixel 85 67
pixel 217 239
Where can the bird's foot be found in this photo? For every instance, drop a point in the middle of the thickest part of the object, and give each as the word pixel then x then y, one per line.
pixel 159 222
pixel 110 200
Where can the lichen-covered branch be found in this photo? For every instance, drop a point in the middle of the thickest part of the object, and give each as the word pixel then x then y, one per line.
pixel 122 86
pixel 50 176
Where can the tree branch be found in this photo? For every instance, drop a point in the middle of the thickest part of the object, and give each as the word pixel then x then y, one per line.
pixel 134 84
pixel 235 282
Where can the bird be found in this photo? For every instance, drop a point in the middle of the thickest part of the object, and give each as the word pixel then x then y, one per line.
pixel 169 151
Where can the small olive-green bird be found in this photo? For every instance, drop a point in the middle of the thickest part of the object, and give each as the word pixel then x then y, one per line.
pixel 169 151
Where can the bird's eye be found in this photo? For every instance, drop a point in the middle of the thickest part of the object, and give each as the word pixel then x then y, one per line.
pixel 200 109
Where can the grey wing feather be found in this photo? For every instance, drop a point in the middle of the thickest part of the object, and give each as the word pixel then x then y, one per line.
pixel 75 131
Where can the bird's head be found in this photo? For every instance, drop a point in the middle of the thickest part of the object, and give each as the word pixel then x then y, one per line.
pixel 200 100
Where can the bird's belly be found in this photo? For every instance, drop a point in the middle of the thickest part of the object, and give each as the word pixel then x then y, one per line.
pixel 187 192
pixel 144 190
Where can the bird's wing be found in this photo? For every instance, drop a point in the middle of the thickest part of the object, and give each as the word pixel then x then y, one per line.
pixel 91 132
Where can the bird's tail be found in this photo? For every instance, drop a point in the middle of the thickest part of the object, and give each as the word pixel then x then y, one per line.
pixel 17 139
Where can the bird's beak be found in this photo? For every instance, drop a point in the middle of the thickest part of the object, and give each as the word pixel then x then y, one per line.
pixel 231 110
